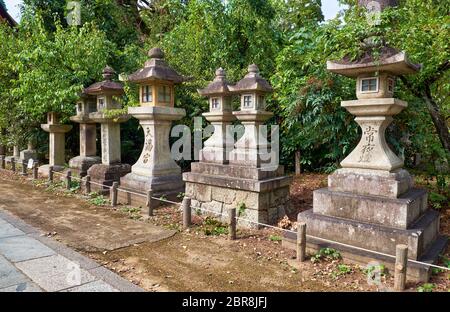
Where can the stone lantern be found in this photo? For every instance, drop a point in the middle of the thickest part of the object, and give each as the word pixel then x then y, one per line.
pixel 29 153
pixel 252 149
pixel 107 94
pixel 220 144
pixel 88 136
pixel 216 184
pixel 155 170
pixel 371 203
pixel 57 143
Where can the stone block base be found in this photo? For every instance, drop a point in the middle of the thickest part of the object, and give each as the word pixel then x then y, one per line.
pixel 27 155
pixel 261 207
pixel 80 165
pixel 392 212
pixel 420 237
pixel 371 182
pixel 106 175
pixel 416 273
pixel 44 170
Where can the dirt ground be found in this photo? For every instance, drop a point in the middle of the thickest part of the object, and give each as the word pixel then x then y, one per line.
pixel 188 260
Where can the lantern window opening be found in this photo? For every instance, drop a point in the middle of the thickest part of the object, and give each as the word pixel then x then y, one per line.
pixel 391 84
pixel 164 94
pixel 261 102
pixel 147 95
pixel 247 101
pixel 101 103
pixel 370 85
pixel 79 107
pixel 215 103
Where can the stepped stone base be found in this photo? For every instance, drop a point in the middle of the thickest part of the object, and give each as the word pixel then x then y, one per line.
pixel 168 187
pixel 371 182
pixel 419 237
pixel 393 212
pixel 80 165
pixel 106 175
pixel 261 196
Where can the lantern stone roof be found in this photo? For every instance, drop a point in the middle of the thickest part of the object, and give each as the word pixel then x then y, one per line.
pixel 389 60
pixel 105 86
pixel 4 16
pixel 252 82
pixel 219 85
pixel 156 68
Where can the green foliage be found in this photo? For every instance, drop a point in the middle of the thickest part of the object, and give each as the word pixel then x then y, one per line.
pixel 327 254
pixel 133 212
pixel 74 186
pixel 342 269
pixel 427 287
pixel 241 208
pixel 97 199
pixel 275 238
pixel 437 200
pixel 213 227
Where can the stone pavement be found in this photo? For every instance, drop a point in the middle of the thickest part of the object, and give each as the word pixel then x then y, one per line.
pixel 30 262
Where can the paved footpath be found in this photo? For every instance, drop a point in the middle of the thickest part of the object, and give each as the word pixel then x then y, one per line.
pixel 30 262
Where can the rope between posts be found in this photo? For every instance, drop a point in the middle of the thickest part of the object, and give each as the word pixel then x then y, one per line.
pixel 264 225
pixel 324 240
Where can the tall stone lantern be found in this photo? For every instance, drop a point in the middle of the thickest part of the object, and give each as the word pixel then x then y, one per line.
pixel 220 144
pixel 252 149
pixel 155 170
pixel 107 93
pixel 57 143
pixel 88 136
pixel 371 202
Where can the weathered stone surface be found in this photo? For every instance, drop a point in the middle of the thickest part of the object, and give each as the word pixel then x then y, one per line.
pixel 9 275
pixel 243 172
pixel 63 272
pixel 95 286
pixel 21 248
pixel 393 212
pixel 7 230
pixel 241 184
pixel 419 237
pixel 256 206
pixel 81 164
pixel 371 182
pixel 25 286
pixel 107 174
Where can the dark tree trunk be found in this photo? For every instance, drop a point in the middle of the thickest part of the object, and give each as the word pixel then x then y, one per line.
pixel 438 119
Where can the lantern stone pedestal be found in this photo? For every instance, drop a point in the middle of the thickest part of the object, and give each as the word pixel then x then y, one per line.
pixel 29 153
pixel 80 164
pixel 155 170
pixel 111 169
pixel 57 144
pixel 15 155
pixel 371 202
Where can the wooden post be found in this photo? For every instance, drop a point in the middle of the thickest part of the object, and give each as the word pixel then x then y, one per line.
pixel 2 162
pixel 13 164
pixel 149 203
pixel 88 185
pixel 68 179
pixel 36 170
pixel 301 241
pixel 50 174
pixel 187 212
pixel 24 167
pixel 113 194
pixel 401 263
pixel 232 223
